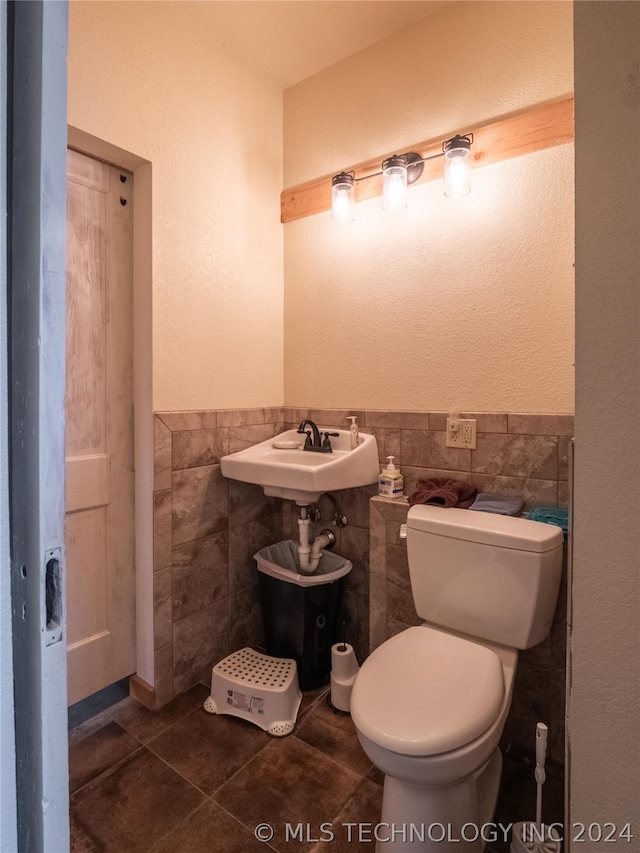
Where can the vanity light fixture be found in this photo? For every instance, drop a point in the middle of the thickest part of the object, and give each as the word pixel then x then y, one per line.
pixel 400 171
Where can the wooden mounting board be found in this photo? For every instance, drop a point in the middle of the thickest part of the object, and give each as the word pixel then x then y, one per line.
pixel 540 127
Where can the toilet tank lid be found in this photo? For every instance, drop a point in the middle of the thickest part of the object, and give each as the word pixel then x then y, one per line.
pixel 502 531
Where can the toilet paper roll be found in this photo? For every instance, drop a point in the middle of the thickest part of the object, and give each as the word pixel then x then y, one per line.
pixel 341 693
pixel 344 665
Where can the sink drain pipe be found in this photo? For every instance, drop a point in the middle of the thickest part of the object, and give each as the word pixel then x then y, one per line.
pixel 309 555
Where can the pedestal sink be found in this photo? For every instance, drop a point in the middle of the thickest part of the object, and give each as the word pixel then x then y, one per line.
pixel 285 470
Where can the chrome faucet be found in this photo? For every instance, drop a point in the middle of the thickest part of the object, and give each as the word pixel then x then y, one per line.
pixel 316 443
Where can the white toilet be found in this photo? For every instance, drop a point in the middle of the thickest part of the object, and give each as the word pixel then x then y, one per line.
pixel 429 705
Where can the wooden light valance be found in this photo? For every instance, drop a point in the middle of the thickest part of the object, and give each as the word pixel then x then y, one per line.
pixel 537 128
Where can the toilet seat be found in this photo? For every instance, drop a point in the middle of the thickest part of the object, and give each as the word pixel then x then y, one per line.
pixel 425 692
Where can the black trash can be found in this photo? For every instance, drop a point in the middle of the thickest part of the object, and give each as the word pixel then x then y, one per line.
pixel 302 613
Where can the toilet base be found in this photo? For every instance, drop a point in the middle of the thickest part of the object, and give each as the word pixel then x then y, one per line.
pixel 436 820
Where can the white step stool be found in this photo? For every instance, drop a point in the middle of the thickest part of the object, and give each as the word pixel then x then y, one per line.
pixel 260 689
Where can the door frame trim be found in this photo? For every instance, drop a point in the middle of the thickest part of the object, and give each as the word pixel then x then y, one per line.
pixel 36 155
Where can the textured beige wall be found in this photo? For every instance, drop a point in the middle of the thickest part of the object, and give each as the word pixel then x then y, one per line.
pixel 604 698
pixel 149 78
pixel 454 304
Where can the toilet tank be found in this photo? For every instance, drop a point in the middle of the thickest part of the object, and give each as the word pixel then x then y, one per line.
pixel 494 577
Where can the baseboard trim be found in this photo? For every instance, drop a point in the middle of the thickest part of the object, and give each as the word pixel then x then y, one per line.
pixel 143 692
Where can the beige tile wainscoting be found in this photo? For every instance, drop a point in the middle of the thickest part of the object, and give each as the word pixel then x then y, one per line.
pixel 207 529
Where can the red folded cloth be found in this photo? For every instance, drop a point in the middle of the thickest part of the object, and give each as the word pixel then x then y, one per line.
pixel 443 491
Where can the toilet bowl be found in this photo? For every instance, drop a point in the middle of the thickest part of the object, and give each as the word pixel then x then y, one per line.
pixel 442 767
pixel 429 705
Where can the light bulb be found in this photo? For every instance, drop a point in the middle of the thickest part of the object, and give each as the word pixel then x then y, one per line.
pixel 394 183
pixel 342 197
pixel 457 167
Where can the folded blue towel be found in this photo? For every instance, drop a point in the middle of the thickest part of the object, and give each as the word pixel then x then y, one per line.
pixel 551 515
pixel 498 504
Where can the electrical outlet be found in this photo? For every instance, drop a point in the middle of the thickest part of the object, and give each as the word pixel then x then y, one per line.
pixel 461 432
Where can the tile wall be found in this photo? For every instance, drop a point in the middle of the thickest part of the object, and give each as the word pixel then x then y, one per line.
pixel 207 528
pixel 206 531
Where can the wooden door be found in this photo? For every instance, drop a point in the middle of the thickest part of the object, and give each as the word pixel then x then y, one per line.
pixel 99 495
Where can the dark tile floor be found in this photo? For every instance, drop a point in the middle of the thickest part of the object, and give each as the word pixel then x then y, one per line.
pixel 180 780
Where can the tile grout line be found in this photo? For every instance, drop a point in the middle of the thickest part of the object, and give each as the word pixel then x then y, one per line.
pixel 268 845
pixel 177 772
pixel 184 820
pixel 109 770
pixel 142 746
pixel 359 778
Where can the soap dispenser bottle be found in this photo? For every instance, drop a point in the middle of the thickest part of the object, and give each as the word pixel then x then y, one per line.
pixel 391 481
pixel 353 429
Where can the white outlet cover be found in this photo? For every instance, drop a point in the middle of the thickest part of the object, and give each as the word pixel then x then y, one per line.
pixel 461 433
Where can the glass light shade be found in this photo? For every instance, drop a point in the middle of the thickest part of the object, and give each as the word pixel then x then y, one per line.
pixel 394 183
pixel 457 168
pixel 342 198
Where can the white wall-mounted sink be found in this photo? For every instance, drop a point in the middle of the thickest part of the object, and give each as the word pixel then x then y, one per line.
pixel 285 470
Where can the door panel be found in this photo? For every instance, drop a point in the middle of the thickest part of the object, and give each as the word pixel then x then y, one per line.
pixel 99 497
pixel 86 544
